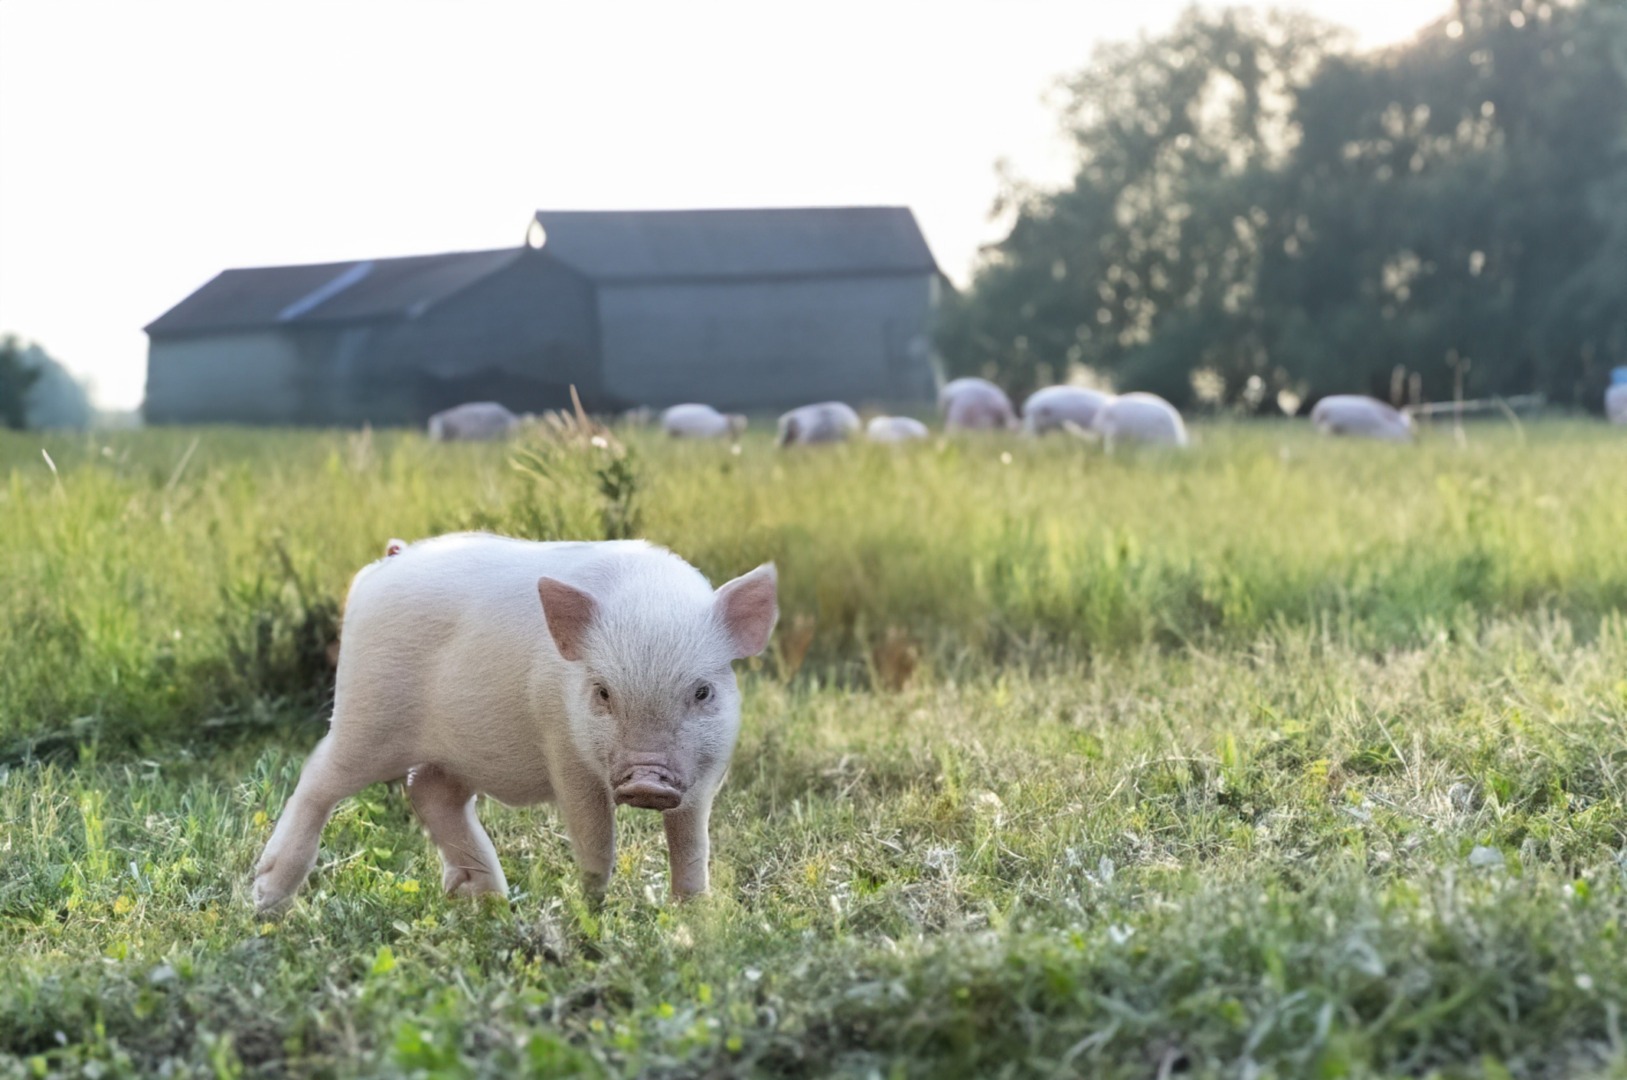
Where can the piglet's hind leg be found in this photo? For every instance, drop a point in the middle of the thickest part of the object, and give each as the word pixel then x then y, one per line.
pixel 446 806
pixel 327 778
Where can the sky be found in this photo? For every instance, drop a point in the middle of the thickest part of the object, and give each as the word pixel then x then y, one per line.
pixel 145 147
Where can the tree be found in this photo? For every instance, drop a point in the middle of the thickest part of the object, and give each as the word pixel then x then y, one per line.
pixel 36 391
pixel 1257 206
pixel 17 376
pixel 1143 267
pixel 1452 201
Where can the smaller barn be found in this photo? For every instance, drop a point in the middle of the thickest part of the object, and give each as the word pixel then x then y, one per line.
pixel 376 340
pixel 751 310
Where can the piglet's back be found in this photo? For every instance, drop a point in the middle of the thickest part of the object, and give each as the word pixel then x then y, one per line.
pixel 475 586
pixel 468 571
pixel 455 623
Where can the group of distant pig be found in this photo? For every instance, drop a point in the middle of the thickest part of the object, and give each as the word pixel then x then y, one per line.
pixel 971 404
pixel 966 405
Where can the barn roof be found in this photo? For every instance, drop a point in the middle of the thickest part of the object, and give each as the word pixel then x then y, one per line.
pixel 329 292
pixel 827 241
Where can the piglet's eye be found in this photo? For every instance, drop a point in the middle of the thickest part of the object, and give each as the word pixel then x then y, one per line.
pixel 703 692
pixel 602 692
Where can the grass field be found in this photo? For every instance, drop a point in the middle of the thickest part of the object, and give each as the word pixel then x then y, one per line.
pixel 1280 758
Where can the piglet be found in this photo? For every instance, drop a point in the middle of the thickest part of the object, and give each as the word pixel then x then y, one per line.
pixel 589 674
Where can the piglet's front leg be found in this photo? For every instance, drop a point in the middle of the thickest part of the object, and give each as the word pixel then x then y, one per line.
pixel 688 846
pixel 590 822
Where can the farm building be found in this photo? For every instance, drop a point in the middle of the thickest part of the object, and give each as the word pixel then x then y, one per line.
pixel 746 309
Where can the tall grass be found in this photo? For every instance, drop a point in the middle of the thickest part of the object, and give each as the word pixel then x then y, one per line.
pixel 155 581
pixel 1282 757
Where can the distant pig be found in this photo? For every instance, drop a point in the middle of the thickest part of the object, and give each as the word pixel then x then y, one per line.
pixel 829 421
pixel 589 674
pixel 971 404
pixel 695 421
pixel 1055 407
pixel 1364 417
pixel 895 429
pixel 1140 418
pixel 474 420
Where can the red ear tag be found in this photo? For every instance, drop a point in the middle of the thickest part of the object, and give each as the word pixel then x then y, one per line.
pixel 394 547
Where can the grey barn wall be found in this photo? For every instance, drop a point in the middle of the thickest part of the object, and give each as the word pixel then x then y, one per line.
pixel 769 344
pixel 524 334
pixel 521 336
pixel 234 377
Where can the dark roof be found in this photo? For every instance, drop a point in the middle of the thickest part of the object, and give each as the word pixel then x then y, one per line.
pixel 329 292
pixel 833 241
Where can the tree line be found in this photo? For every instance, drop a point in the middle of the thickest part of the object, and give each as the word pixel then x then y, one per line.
pixel 1260 215
pixel 38 392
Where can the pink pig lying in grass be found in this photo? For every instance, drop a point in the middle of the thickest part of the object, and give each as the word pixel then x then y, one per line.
pixel 589 674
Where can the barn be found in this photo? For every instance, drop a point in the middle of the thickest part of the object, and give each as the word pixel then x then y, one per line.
pixel 752 310
pixel 379 340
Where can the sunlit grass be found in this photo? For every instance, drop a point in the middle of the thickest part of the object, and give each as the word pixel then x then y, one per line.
pixel 1281 757
pixel 154 583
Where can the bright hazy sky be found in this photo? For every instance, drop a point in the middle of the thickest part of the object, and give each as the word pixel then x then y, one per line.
pixel 146 146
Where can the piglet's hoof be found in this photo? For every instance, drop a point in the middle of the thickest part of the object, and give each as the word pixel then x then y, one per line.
pixel 472 884
pixel 270 899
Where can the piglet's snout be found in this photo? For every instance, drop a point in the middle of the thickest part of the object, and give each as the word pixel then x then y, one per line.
pixel 648 787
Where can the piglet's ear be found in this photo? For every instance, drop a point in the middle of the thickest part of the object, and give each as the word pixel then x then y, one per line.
pixel 569 612
pixel 747 609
